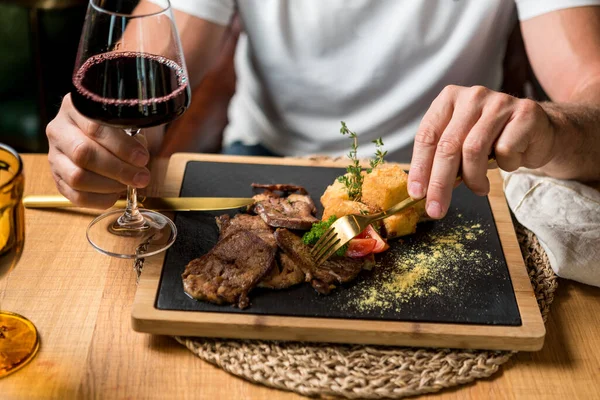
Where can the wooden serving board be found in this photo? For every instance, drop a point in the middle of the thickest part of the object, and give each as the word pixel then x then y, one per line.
pixel 459 282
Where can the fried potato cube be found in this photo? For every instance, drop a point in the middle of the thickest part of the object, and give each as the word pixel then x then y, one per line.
pixel 336 202
pixel 345 207
pixel 334 194
pixel 403 223
pixel 385 186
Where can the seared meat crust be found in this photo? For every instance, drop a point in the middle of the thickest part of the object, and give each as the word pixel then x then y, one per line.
pixel 230 270
pixel 245 222
pixel 295 211
pixel 284 274
pixel 281 187
pixel 323 277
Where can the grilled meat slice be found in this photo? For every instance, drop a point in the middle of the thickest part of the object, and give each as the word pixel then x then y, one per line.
pixel 323 277
pixel 294 212
pixel 222 223
pixel 336 270
pixel 303 198
pixel 252 223
pixel 230 270
pixel 284 274
pixel 266 195
pixel 281 187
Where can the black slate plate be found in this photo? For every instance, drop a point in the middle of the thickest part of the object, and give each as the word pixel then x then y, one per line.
pixel 474 288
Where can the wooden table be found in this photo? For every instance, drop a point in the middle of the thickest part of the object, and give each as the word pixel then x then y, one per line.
pixel 80 301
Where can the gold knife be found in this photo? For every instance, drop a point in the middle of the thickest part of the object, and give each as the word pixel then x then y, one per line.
pixel 152 203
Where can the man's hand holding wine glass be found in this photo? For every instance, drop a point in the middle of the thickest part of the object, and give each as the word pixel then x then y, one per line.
pixel 92 164
pixel 129 75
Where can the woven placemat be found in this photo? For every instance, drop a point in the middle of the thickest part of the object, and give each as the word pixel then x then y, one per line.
pixel 369 372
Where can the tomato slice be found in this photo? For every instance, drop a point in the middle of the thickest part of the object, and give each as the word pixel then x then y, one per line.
pixel 360 247
pixel 371 233
pixel 381 246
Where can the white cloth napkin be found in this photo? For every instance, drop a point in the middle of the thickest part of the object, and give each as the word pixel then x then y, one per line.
pixel 565 217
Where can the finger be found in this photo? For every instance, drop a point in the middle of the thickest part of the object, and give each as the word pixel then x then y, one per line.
pixel 514 140
pixel 82 180
pixel 85 199
pixel 91 156
pixel 525 140
pixel 431 128
pixel 448 152
pixel 116 141
pixel 479 143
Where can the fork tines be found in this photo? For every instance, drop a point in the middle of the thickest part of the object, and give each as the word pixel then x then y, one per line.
pixel 325 246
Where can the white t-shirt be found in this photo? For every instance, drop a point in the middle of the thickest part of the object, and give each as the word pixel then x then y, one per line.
pixel 305 65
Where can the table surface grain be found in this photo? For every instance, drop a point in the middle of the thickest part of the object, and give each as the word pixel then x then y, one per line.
pixel 80 301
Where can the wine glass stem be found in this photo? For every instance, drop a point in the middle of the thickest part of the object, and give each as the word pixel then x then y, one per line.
pixel 131 218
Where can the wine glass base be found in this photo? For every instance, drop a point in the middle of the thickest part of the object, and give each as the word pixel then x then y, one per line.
pixel 156 235
pixel 19 342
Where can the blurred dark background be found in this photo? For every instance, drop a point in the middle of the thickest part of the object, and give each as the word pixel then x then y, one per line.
pixel 38 44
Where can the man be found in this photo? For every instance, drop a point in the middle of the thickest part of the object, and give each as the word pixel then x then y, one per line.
pixel 390 69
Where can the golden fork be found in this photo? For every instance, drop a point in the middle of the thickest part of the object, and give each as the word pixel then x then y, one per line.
pixel 349 226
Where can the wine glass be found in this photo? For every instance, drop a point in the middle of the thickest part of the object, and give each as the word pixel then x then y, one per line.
pixel 19 340
pixel 130 74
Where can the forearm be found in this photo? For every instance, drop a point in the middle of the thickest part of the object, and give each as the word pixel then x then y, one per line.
pixel 563 49
pixel 200 40
pixel 577 140
pixel 200 129
pixel 201 43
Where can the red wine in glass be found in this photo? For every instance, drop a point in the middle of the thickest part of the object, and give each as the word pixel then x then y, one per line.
pixel 130 74
pixel 102 90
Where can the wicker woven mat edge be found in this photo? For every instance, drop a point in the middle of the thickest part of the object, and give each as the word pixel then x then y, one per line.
pixel 368 372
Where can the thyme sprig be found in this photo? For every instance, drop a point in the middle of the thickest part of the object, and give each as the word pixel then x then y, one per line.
pixel 379 155
pixel 353 180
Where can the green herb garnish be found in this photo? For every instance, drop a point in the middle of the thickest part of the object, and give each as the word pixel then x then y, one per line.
pixel 353 180
pixel 379 155
pixel 318 229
